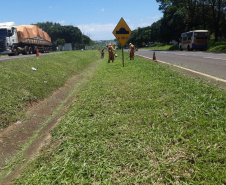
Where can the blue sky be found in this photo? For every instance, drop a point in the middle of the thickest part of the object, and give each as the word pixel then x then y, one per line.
pixel 95 18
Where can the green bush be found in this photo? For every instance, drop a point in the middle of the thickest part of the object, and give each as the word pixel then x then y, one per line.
pixel 219 46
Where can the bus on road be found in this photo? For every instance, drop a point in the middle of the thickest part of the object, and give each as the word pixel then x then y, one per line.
pixel 196 39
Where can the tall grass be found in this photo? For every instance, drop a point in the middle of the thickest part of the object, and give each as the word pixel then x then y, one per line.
pixel 141 124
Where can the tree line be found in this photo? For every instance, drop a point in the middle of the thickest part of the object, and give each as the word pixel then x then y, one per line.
pixel 181 16
pixel 65 34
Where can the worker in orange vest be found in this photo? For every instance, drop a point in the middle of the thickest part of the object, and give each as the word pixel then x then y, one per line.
pixel 111 54
pixel 102 53
pixel 132 49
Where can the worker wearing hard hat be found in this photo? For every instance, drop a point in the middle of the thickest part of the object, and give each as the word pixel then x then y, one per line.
pixel 111 54
pixel 132 49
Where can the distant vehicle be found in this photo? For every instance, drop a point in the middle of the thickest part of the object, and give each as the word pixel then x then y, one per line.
pixel 23 39
pixel 196 39
pixel 151 43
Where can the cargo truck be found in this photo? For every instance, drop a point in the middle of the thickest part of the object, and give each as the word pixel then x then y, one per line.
pixel 25 39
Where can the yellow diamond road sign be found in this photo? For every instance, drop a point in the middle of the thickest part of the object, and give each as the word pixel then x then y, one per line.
pixel 122 32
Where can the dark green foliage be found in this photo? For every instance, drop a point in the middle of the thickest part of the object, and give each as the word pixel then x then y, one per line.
pixel 217 46
pixel 195 14
pixel 45 26
pixel 70 34
pixel 139 36
pixel 182 16
pixel 60 42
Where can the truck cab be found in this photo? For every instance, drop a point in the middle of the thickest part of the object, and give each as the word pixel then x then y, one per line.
pixel 8 39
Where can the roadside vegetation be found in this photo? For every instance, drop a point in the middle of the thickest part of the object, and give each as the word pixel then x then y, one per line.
pixel 160 46
pixel 219 46
pixel 213 46
pixel 65 34
pixel 141 124
pixel 183 16
pixel 24 81
pixel 101 44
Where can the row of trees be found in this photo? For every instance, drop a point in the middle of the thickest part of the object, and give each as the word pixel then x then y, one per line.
pixel 184 15
pixel 140 36
pixel 65 34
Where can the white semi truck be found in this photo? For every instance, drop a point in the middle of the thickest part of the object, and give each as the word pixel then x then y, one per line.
pixel 25 39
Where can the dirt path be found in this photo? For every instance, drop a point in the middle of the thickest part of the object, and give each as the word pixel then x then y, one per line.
pixel 21 141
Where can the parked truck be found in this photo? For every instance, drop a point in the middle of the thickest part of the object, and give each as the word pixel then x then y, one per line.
pixel 25 39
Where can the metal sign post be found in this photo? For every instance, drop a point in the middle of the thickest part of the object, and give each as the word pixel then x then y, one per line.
pixel 122 33
pixel 122 57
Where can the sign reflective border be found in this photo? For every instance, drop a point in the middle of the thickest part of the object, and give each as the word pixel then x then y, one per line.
pixel 122 32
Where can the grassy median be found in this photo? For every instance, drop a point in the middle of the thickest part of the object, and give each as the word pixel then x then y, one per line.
pixel 24 81
pixel 141 124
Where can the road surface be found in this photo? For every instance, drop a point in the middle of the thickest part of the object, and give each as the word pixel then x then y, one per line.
pixel 6 57
pixel 213 64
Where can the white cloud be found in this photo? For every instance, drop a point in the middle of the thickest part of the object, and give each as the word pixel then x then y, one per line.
pixel 98 31
pixel 157 17
pixel 144 24
pixel 104 31
pixel 147 21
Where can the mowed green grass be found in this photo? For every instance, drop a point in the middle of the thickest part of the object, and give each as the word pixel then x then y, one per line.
pixel 141 124
pixel 19 84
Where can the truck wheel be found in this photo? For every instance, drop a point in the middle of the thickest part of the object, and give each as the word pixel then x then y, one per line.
pixel 181 48
pixel 188 48
pixel 15 51
pixel 35 50
pixel 26 50
pixel 30 50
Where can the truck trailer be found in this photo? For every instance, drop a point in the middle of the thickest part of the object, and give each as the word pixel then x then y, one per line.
pixel 25 39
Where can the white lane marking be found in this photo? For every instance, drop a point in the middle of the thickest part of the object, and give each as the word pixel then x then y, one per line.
pixel 214 58
pixel 203 74
pixel 180 54
pixel 200 56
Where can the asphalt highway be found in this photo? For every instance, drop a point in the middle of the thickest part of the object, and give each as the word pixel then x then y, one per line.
pixel 213 64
